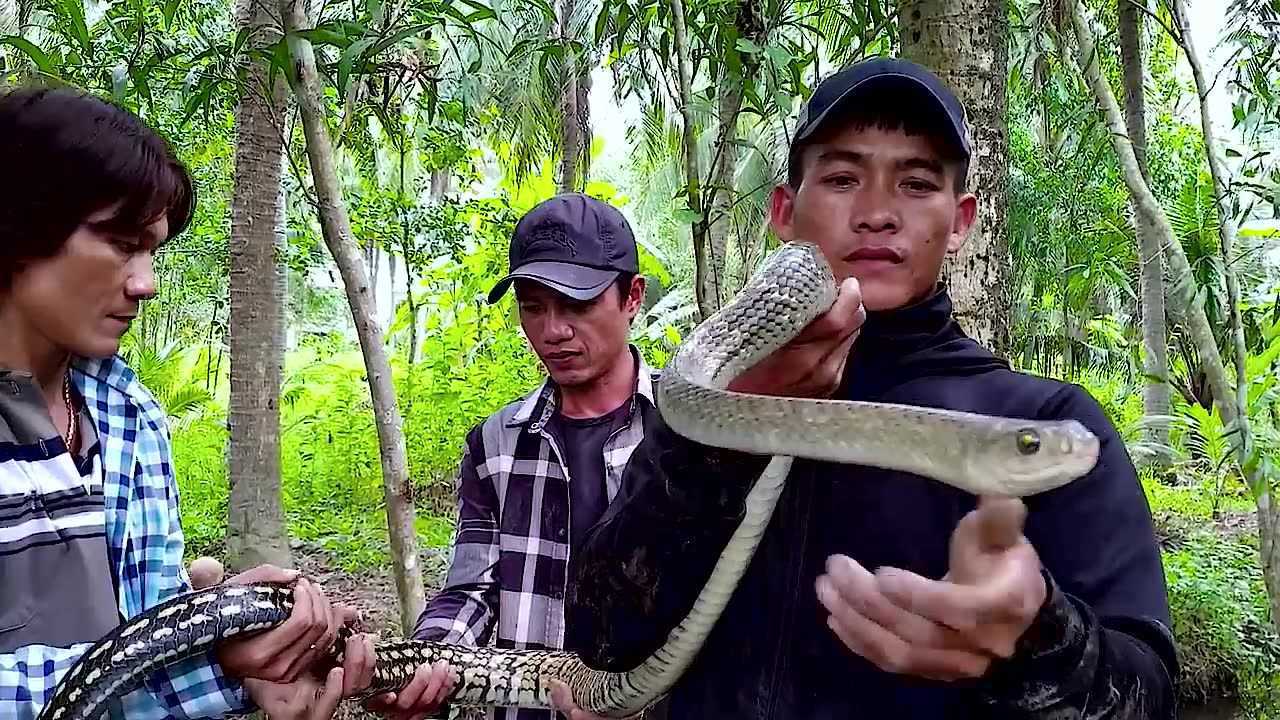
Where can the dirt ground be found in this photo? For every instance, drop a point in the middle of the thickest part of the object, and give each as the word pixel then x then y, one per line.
pixel 373 592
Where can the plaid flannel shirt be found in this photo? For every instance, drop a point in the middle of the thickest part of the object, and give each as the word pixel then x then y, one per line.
pixel 511 545
pixel 144 540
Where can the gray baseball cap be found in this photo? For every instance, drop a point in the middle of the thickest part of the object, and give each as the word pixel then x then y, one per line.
pixel 572 243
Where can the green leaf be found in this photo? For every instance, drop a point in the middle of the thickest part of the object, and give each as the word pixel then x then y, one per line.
pixel 602 21
pixel 686 216
pixel 347 60
pixel 745 45
pixel 326 35
pixel 72 13
pixel 31 50
pixel 400 35
pixel 170 11
pixel 479 11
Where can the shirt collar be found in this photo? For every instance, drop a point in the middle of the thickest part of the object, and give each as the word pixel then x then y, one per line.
pixel 542 402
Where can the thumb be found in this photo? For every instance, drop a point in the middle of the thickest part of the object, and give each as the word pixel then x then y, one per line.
pixel 1000 522
pixel 995 525
pixel 329 696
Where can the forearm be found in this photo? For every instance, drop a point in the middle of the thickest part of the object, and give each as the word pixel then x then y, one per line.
pixel 1072 664
pixel 677 507
pixel 456 615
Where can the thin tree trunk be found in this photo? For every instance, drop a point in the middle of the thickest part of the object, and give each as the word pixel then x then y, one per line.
pixel 1183 294
pixel 256 532
pixel 336 227
pixel 575 113
pixel 1268 520
pixel 1155 334
pixel 966 42
pixel 692 170
pixel 721 192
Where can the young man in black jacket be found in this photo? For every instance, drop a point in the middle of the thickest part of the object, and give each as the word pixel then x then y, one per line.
pixel 878 593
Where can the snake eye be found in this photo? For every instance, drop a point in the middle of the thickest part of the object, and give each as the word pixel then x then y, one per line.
pixel 1028 442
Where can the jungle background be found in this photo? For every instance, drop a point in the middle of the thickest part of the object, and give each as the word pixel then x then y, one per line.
pixel 321 340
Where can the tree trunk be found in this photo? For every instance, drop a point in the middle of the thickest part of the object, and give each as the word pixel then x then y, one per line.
pixel 575 112
pixel 336 227
pixel 966 42
pixel 1155 334
pixel 1183 294
pixel 721 191
pixel 256 532
pixel 1268 521
pixel 692 168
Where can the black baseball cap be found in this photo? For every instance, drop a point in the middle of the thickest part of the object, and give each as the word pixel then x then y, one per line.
pixel 572 243
pixel 852 84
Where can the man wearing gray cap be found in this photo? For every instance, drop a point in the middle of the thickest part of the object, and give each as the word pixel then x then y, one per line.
pixel 537 474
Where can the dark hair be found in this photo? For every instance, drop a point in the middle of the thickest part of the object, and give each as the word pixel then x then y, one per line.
pixel 890 109
pixel 65 155
pixel 623 283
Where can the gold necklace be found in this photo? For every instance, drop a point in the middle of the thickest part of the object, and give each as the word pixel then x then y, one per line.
pixel 71 415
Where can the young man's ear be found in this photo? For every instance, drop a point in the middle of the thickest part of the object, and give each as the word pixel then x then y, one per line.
pixel 965 215
pixel 782 212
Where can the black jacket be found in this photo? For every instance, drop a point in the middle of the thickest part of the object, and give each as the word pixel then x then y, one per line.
pixel 1100 648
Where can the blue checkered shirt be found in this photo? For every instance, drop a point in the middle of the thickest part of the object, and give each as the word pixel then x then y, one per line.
pixel 144 541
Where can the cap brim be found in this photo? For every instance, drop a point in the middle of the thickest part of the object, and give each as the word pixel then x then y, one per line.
pixel 577 281
pixel 888 79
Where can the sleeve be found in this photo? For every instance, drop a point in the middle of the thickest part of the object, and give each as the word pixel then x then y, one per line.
pixel 619 607
pixel 29 676
pixel 465 608
pixel 196 687
pixel 1101 646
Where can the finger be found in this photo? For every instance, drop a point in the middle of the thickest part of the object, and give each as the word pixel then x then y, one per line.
pixel 265 573
pixel 329 615
pixel 300 653
pixel 438 684
pixel 205 572
pixel 355 661
pixel 411 694
pixel 961 607
pixel 384 703
pixel 562 698
pixel 369 662
pixel 844 316
pixel 329 697
pixel 891 654
pixel 274 651
pixel 854 589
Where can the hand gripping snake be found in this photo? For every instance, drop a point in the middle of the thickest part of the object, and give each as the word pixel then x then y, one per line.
pixel 977 453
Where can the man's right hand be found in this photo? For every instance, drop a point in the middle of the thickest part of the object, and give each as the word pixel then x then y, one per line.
pixel 282 654
pixel 812 364
pixel 421 698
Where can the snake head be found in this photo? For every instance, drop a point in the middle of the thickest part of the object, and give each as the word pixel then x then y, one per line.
pixel 1030 457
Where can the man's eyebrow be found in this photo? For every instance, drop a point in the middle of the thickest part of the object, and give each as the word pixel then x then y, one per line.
pixel 838 155
pixel 834 155
pixel 921 163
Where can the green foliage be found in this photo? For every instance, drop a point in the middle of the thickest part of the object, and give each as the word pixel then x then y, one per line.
pixel 1227 644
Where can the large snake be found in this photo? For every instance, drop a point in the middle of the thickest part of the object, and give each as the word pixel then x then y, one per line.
pixel 977 453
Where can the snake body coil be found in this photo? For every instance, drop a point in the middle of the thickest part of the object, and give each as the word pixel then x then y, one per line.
pixel 980 454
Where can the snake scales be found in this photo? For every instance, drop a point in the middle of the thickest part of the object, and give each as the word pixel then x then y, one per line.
pixel 980 454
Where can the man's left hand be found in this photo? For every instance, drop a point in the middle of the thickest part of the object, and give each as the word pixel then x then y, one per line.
pixel 946 629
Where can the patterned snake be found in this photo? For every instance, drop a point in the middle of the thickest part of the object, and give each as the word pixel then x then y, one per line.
pixel 980 454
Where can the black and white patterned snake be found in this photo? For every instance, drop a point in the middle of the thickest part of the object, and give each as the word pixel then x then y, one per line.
pixel 977 453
